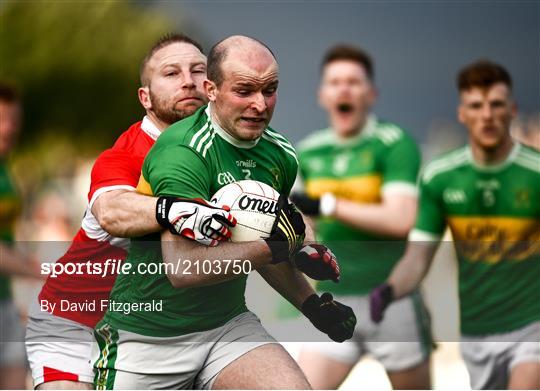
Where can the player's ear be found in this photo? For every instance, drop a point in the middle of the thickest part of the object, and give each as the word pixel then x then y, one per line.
pixel 320 97
pixel 323 98
pixel 144 97
pixel 211 89
pixel 460 113
pixel 514 109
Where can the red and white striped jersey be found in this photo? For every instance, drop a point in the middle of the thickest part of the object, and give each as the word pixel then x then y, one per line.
pixel 116 168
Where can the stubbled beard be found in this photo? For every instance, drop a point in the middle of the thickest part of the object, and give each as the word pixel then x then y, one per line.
pixel 167 112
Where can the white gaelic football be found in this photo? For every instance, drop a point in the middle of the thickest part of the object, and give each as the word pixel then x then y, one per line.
pixel 253 204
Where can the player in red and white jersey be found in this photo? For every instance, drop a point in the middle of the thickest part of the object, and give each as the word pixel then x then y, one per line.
pixel 59 338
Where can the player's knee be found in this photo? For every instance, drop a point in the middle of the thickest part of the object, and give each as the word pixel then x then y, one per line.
pixel 415 378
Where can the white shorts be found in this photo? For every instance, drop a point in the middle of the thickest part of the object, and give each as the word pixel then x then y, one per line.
pixel 490 358
pixel 401 341
pixel 132 361
pixel 58 348
pixel 11 336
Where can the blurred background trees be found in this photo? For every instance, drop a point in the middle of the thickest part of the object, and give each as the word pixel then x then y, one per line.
pixel 76 64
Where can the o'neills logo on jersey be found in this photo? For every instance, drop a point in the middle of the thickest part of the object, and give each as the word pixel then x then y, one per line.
pixel 246 163
pixel 257 205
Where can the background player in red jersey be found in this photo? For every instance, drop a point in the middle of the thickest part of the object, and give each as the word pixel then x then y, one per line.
pixel 59 340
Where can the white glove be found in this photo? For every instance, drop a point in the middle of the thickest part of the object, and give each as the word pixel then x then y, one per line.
pixel 195 219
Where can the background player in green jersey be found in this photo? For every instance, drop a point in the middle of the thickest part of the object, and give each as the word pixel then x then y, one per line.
pixel 204 336
pixel 13 263
pixel 359 176
pixel 487 193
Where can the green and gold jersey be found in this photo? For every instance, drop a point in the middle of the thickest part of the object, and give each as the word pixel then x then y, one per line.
pixel 194 158
pixel 10 207
pixel 493 213
pixel 381 159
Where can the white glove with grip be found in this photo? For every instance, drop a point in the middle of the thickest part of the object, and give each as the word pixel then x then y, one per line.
pixel 195 219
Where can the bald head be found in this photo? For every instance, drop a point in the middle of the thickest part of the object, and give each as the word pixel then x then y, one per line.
pixel 242 82
pixel 238 47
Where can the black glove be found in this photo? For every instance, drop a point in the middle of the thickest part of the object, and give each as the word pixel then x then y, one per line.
pixel 195 219
pixel 380 298
pixel 288 232
pixel 331 317
pixel 318 262
pixel 309 206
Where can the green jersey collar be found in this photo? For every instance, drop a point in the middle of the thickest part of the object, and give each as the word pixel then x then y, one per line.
pixel 368 129
pixel 493 167
pixel 226 136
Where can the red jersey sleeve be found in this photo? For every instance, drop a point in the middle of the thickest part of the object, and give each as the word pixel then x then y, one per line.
pixel 114 169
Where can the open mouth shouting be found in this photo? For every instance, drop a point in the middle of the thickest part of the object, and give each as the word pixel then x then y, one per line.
pixel 344 108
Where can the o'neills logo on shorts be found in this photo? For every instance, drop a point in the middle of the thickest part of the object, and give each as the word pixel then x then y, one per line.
pixel 258 205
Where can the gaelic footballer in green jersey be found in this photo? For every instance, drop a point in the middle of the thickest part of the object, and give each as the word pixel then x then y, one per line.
pixel 192 152
pixel 380 160
pixel 227 141
pixel 495 223
pixel 486 193
pixel 359 179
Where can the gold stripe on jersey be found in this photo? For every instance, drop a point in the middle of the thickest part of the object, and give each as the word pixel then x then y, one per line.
pixel 365 188
pixel 493 239
pixel 143 187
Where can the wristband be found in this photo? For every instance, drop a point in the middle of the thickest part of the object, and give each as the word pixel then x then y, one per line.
pixel 162 210
pixel 328 204
pixel 387 293
pixel 311 305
